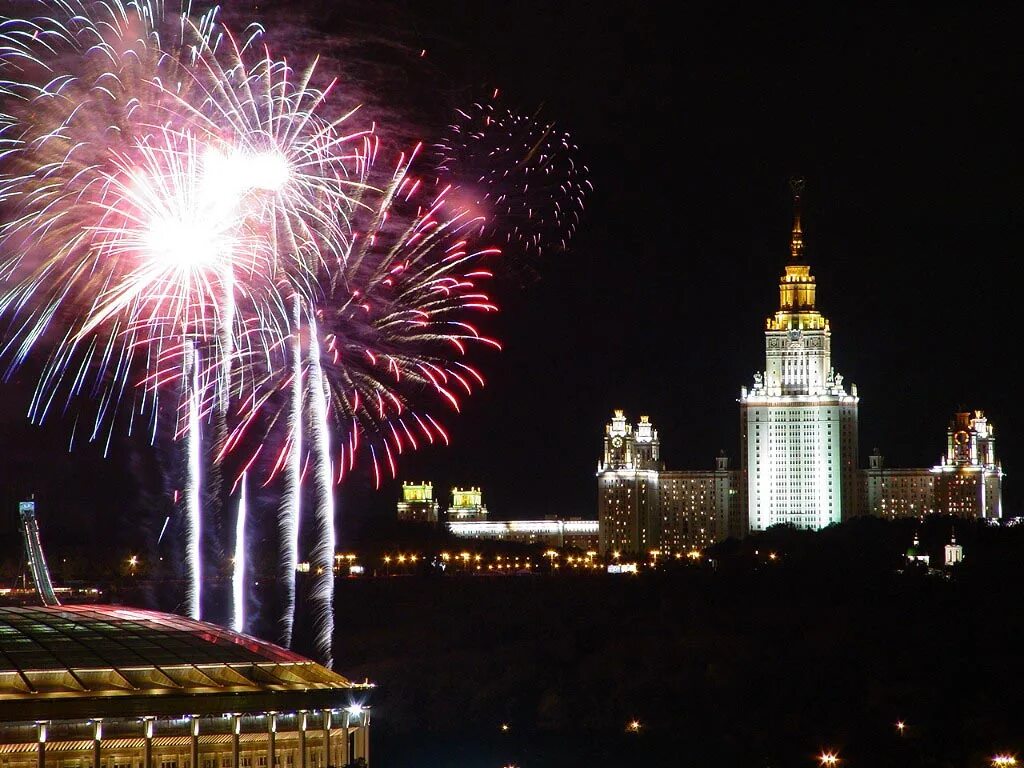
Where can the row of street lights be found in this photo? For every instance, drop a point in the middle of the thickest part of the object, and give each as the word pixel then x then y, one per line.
pixel 830 758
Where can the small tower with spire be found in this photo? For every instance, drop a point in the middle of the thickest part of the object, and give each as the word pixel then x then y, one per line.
pixel 915 554
pixel 954 553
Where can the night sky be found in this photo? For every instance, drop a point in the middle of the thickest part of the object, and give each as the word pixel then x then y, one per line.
pixel 692 121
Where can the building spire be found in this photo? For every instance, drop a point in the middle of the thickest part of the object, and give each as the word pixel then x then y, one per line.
pixel 796 242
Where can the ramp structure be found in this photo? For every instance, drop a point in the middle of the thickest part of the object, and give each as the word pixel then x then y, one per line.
pixel 34 553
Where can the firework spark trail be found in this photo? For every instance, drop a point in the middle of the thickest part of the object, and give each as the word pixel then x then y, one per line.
pixel 193 487
pixel 322 561
pixel 238 575
pixel 291 501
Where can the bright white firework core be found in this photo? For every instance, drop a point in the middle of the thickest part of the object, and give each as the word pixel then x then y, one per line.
pixel 182 244
pixel 268 171
pixel 239 172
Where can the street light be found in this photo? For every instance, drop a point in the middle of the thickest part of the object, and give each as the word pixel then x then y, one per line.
pixel 828 758
pixel 901 726
pixel 1004 760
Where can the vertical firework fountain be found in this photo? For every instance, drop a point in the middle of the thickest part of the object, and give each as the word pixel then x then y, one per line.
pixel 288 516
pixel 323 490
pixel 193 483
pixel 238 568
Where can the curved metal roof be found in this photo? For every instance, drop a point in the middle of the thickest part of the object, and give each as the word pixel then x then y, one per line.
pixel 89 650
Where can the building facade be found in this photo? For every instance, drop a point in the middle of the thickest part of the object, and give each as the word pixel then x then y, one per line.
pixel 967 481
pixel 628 498
pixel 552 532
pixel 900 492
pixel 115 687
pixel 798 423
pixel 467 504
pixel 644 507
pixel 418 504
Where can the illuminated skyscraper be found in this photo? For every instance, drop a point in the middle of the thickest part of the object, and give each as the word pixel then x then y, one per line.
pixel 798 422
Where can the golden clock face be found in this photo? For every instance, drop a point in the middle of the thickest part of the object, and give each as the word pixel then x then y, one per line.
pixel 616 442
pixel 961 438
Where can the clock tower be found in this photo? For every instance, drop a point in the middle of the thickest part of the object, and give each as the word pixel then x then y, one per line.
pixel 798 422
pixel 628 446
pixel 627 480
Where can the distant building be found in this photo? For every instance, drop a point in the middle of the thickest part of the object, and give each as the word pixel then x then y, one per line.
pixel 696 506
pixel 642 506
pixel 629 503
pixel 418 504
pixel 967 482
pixel 798 423
pixel 552 532
pixel 894 493
pixel 467 504
pixel 954 553
pixel 799 461
pixel 916 555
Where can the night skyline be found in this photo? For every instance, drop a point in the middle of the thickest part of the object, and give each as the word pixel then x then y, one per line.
pixel 909 182
pixel 241 294
pixel 691 134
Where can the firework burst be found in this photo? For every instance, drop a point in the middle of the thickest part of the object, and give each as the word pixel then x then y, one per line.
pixel 187 220
pixel 522 174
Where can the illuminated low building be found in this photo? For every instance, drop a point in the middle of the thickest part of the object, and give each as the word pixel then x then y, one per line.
pixel 953 553
pixel 418 504
pixel 642 506
pixel 581 534
pixel 114 687
pixel 897 492
pixel 968 481
pixel 467 504
pixel 697 507
pixel 916 555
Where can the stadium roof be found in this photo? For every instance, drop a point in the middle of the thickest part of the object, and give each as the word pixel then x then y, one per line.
pixel 89 651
